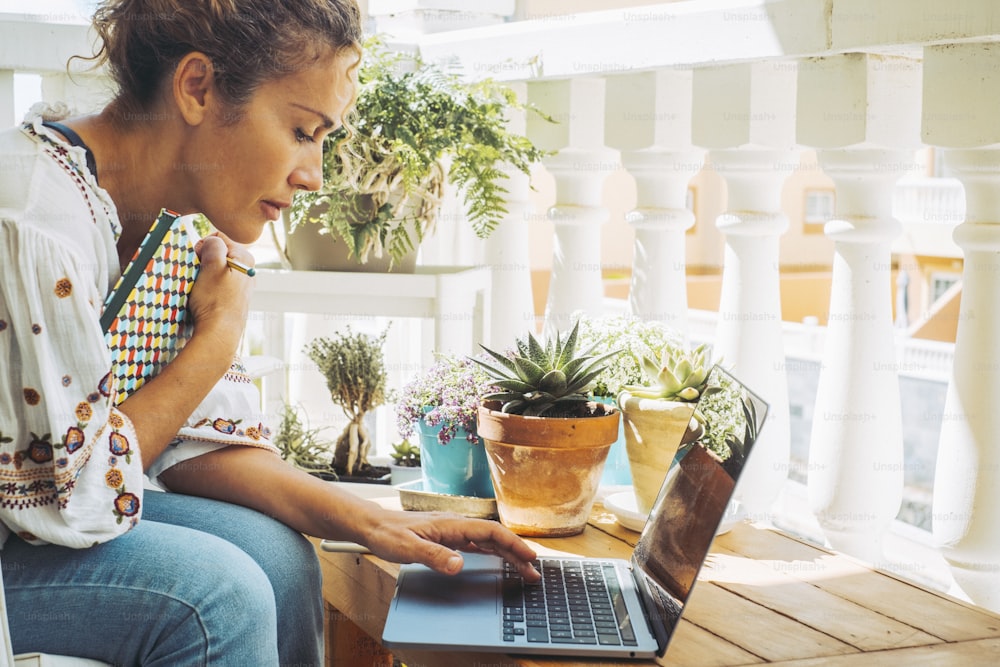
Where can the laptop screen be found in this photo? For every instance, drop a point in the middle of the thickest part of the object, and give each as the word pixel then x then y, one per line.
pixel 693 498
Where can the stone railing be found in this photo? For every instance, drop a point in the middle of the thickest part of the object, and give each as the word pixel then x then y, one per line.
pixel 743 86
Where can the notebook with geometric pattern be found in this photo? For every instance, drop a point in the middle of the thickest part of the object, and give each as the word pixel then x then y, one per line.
pixel 144 316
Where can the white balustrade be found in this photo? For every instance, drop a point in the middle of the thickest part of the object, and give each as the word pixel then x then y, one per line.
pixel 745 115
pixel 861 112
pixel 579 168
pixel 505 252
pixel 648 119
pixel 7 114
pixel 961 93
pixel 403 19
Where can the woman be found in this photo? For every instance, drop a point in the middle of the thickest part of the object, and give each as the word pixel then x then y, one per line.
pixel 221 108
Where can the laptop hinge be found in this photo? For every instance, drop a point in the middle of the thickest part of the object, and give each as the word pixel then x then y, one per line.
pixel 648 606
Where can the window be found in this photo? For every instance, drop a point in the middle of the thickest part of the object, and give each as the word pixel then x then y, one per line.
pixel 818 208
pixel 940 283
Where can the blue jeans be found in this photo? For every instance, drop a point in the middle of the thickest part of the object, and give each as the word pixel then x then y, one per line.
pixel 197 582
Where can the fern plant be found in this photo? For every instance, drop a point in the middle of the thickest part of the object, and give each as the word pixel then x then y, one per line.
pixel 413 127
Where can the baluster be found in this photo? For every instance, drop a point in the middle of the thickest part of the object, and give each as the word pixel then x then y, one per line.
pixel 745 115
pixel 649 120
pixel 961 87
pixel 506 253
pixel 7 111
pixel 860 111
pixel 579 169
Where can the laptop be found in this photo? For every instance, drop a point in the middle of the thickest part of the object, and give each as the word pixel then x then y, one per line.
pixel 593 607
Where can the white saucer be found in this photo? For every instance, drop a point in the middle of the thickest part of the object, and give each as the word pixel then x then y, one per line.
pixel 623 506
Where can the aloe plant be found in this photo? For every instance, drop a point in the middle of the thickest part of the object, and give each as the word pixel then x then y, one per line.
pixel 674 374
pixel 544 381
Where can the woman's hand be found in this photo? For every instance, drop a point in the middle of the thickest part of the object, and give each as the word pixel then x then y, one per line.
pixel 220 298
pixel 435 539
pixel 259 479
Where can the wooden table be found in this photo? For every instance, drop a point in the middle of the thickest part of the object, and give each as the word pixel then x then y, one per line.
pixel 763 597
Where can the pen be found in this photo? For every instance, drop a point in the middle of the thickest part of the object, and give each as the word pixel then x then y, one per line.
pixel 241 267
pixel 343 547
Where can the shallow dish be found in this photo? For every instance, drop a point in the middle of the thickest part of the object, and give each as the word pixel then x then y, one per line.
pixel 622 505
pixel 413 497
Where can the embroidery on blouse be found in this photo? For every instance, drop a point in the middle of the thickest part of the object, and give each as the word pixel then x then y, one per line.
pixel 77 172
pixel 207 427
pixel 238 373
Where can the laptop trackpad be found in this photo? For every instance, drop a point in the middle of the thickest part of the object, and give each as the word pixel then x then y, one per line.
pixel 469 592
pixel 425 593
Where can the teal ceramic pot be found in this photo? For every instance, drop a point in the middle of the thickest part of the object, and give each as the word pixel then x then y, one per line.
pixel 616 470
pixel 456 469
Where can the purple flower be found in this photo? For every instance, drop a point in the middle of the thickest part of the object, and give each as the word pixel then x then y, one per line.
pixel 447 395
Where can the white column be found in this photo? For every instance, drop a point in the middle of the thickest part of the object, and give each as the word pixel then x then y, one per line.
pixel 746 115
pixel 7 113
pixel 649 120
pixel 506 253
pixel 961 94
pixel 579 168
pixel 861 112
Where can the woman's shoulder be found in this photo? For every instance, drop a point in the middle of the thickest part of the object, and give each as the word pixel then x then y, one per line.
pixel 43 175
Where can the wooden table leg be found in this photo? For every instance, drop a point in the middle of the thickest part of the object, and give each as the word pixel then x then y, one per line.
pixel 347 645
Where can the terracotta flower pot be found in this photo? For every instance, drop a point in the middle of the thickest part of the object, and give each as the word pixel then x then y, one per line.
pixel 546 470
pixel 653 431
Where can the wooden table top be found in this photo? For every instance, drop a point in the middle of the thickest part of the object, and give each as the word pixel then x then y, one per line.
pixel 763 597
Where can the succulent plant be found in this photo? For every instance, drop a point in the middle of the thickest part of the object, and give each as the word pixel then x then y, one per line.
pixel 405 453
pixel 674 374
pixel 544 381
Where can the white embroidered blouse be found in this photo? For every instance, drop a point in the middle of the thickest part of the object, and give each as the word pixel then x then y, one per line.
pixel 70 472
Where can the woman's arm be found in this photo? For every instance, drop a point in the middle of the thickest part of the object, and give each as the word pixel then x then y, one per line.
pixel 258 479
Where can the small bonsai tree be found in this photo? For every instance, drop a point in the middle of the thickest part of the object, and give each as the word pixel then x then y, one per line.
pixel 354 368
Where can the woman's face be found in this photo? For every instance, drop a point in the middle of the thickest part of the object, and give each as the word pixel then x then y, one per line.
pixel 257 156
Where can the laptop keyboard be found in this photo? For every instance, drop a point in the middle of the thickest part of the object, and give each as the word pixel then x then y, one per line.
pixel 577 602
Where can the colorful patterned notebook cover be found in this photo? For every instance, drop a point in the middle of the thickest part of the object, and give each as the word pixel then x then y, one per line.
pixel 144 315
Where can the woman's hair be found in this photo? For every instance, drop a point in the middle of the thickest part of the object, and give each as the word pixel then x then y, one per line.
pixel 249 42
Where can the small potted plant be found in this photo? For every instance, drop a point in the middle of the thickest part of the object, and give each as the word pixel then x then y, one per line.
pixel 354 368
pixel 301 446
pixel 546 441
pixel 405 466
pixel 657 412
pixel 637 339
pixel 440 407
pixel 414 126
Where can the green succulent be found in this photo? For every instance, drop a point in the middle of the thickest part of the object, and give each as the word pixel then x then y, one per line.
pixel 674 374
pixel 405 453
pixel 544 381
